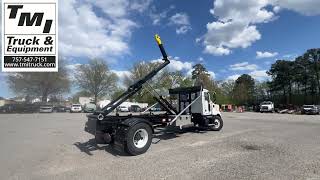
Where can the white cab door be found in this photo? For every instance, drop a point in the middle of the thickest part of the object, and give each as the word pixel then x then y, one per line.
pixel 206 103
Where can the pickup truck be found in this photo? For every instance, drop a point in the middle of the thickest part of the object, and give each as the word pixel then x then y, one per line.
pixel 266 106
pixel 310 109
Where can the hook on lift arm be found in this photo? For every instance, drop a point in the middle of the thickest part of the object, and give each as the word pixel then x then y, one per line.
pixel 163 52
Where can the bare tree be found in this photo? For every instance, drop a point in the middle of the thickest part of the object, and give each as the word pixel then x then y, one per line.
pixel 138 71
pixel 96 78
pixel 40 84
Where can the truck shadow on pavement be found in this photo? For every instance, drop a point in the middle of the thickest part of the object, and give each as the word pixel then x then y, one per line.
pixel 173 133
pixel 91 145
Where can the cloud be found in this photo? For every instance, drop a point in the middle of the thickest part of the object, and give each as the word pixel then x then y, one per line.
pixel 121 74
pixel 260 75
pixel 305 7
pixel 233 77
pixel 244 66
pixel 183 29
pixel 200 59
pixel 177 65
pixel 235 26
pixel 212 74
pixel 86 33
pixel 251 69
pixel 219 51
pixel 157 17
pixel 73 66
pixel 276 9
pixel 290 56
pixel 72 70
pixel 181 20
pixel 236 21
pixel 140 5
pixel 261 55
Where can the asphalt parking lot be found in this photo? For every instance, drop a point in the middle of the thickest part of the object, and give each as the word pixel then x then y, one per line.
pixel 250 146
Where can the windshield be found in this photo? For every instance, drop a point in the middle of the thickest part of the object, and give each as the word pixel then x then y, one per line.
pixel 90 105
pixel 46 107
pixel 76 105
pixel 308 106
pixel 266 103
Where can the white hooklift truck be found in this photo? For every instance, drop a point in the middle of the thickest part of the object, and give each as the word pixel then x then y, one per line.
pixel 133 132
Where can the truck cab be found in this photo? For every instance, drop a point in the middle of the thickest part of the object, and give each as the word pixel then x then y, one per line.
pixel 206 106
pixel 196 108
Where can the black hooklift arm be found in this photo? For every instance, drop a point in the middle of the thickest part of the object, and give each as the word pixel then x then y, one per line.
pixel 134 88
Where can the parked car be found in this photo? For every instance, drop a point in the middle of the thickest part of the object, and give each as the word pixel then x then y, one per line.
pixel 89 108
pixel 19 108
pixel 59 109
pixel 9 108
pixel 266 106
pixel 68 108
pixel 310 109
pixel 135 108
pixel 46 109
pixel 123 109
pixel 76 108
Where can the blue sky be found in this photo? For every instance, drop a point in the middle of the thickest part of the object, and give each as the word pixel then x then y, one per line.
pixel 229 37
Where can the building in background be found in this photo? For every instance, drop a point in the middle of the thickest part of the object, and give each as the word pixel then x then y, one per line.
pixel 85 100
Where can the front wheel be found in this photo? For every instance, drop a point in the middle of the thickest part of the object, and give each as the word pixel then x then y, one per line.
pixel 216 123
pixel 138 139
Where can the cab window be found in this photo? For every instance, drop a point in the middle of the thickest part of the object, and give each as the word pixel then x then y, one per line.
pixel 207 96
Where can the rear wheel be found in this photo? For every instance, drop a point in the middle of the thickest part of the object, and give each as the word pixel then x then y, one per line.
pixel 216 123
pixel 99 137
pixel 138 139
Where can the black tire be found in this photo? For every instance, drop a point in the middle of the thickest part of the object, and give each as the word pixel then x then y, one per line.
pixel 98 137
pixel 216 120
pixel 130 146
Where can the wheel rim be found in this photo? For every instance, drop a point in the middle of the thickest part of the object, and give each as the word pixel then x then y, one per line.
pixel 140 138
pixel 216 123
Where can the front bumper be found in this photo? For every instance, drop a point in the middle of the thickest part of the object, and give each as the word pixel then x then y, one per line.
pixel 46 111
pixel 76 110
pixel 311 112
pixel 265 110
pixel 89 110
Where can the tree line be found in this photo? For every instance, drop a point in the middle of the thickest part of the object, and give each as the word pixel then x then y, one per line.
pixel 296 82
pixel 291 82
